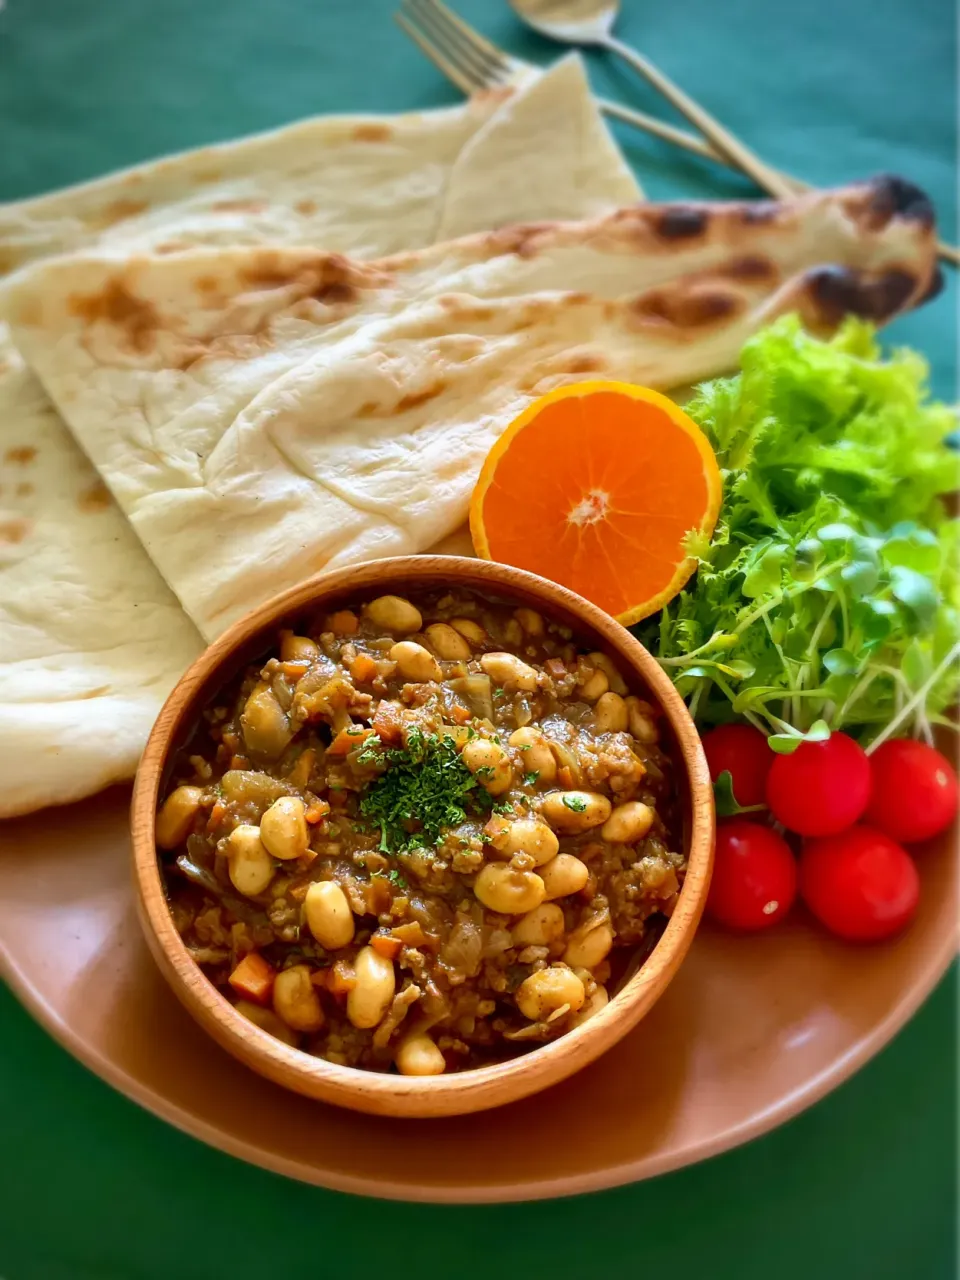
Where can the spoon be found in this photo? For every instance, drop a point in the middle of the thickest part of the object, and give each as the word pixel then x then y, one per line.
pixel 590 22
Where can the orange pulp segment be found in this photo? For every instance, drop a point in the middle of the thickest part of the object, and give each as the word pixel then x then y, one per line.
pixel 597 486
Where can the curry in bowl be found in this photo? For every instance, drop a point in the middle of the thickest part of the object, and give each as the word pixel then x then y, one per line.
pixel 421 834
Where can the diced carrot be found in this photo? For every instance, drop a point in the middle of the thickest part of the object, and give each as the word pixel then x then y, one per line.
pixel 363 669
pixel 294 668
pixel 343 623
pixel 555 667
pixel 316 811
pixel 387 723
pixel 460 715
pixel 564 776
pixel 217 814
pixel 253 978
pixel 341 979
pixel 386 946
pixel 239 762
pixel 347 739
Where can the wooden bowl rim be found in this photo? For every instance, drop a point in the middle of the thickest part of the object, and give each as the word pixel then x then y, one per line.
pixel 382 1093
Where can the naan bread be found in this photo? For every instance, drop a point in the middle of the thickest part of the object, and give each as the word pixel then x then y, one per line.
pixel 365 185
pixel 265 414
pixel 80 681
pixel 91 639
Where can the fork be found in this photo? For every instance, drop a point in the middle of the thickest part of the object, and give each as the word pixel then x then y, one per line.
pixel 471 62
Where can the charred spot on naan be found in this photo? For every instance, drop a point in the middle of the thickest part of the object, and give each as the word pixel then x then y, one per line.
pixel 20 455
pixel 14 531
pixel 412 400
pixel 306 207
pixel 522 238
pixel 888 196
pixel 238 206
pixel 753 268
pixel 114 212
pixel 829 293
pixel 680 222
pixel 24 489
pixel 685 308
pixel 116 304
pixel 96 497
pixel 372 132
pixel 9 258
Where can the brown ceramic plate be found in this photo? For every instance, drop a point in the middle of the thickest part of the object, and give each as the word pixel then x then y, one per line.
pixel 750 1032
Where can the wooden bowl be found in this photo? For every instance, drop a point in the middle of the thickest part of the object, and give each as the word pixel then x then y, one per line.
pixel 460 1092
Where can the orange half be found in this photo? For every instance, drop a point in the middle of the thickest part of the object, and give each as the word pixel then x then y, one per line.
pixel 598 486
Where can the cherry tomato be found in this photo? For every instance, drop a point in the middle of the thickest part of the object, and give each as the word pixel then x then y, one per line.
pixel 914 792
pixel 754 876
pixel 822 788
pixel 860 884
pixel 742 751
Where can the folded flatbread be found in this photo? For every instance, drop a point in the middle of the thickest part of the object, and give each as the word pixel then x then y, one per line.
pixel 262 415
pixel 91 639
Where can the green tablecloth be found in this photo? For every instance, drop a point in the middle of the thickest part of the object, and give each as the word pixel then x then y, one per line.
pixel 864 1185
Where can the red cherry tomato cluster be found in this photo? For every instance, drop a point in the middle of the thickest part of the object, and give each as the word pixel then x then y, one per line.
pixel 855 812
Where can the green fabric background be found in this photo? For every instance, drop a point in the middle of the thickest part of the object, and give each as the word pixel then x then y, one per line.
pixel 862 1186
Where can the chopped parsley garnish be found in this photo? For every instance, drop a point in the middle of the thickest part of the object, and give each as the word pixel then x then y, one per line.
pixel 530 779
pixel 424 789
pixel 575 802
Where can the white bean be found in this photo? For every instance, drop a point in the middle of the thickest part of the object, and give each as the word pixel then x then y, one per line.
pixel 264 724
pixel 539 927
pixel 175 819
pixel 417 1055
pixel 563 876
pixel 447 643
pixel 510 671
pixel 294 648
pixel 415 662
pixel 393 613
pixel 249 865
pixel 609 669
pixel 470 630
pixel 640 719
pixel 588 944
pixel 376 982
pixel 328 915
pixel 628 823
pixel 535 754
pixel 267 1020
pixel 594 683
pixel 530 620
pixel 529 836
pixel 610 714
pixel 548 991
pixel 283 828
pixel 570 812
pixel 295 999
pixel 491 764
pixel 510 892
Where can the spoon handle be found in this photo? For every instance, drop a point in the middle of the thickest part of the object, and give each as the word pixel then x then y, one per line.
pixel 766 178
